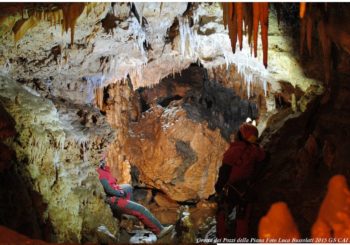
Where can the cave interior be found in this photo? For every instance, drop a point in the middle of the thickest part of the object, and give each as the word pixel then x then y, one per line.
pixel 160 89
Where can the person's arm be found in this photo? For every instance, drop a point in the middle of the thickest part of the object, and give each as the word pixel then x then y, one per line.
pixel 224 174
pixel 261 164
pixel 110 191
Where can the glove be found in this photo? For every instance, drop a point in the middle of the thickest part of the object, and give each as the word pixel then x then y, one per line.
pixel 121 193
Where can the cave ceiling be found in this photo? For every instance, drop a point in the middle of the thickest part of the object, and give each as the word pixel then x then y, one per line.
pixel 141 41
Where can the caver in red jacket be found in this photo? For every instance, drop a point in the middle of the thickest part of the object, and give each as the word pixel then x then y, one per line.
pixel 238 165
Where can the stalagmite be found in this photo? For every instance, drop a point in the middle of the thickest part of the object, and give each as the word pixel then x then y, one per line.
pixel 278 223
pixel 333 220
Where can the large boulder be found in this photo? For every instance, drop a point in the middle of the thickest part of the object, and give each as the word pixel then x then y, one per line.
pixel 175 154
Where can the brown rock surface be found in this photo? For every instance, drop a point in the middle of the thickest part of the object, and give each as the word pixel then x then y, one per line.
pixel 164 201
pixel 175 154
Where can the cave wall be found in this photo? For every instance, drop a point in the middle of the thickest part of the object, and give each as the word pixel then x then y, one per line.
pixel 308 148
pixel 54 170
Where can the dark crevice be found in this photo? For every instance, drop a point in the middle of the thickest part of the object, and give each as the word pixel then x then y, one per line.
pixel 203 99
pixel 165 102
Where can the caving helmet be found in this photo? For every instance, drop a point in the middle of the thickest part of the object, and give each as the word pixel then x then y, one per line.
pixel 249 132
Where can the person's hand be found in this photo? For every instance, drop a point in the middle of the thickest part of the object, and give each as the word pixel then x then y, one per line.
pixel 121 193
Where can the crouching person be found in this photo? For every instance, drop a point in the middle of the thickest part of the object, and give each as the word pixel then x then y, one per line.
pixel 120 198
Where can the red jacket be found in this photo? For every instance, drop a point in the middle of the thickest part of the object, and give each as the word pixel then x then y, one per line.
pixel 239 163
pixel 242 157
pixel 105 174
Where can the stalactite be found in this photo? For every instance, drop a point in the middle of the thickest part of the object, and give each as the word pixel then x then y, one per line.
pixel 71 12
pixel 225 7
pixel 278 12
pixel 234 28
pixel 68 12
pixel 248 20
pixel 264 22
pixel 302 10
pixel 256 17
pixel 310 14
pixel 239 13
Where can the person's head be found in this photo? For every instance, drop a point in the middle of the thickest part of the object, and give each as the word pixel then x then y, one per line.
pixel 102 163
pixel 248 132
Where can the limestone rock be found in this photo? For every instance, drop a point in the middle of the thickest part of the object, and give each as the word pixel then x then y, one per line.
pixel 55 158
pixel 175 154
pixel 165 201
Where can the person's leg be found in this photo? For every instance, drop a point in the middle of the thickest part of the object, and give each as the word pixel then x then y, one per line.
pixel 242 228
pixel 142 213
pixel 128 190
pixel 221 224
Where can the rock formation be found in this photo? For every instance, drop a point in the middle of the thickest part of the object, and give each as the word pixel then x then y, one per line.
pixel 57 150
pixel 175 154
